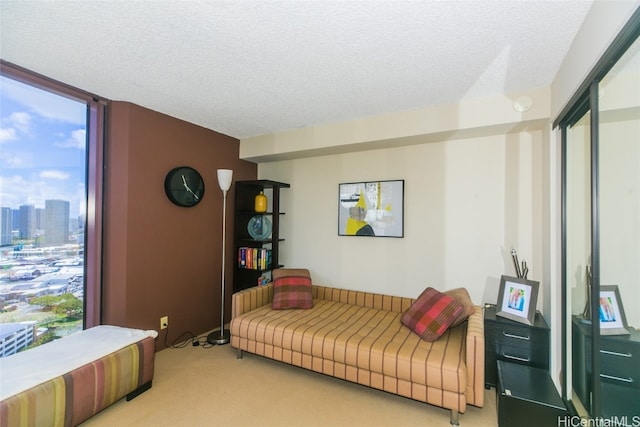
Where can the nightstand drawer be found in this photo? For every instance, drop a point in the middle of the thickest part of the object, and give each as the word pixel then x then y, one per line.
pixel 618 363
pixel 512 335
pixel 527 340
pixel 534 355
pixel 619 371
pixel 513 342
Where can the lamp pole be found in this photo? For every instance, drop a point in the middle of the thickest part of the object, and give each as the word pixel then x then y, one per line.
pixel 223 336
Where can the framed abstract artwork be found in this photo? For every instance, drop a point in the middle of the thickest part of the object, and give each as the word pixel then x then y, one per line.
pixel 371 208
pixel 517 299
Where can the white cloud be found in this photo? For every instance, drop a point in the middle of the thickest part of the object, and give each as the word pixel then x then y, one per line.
pixel 8 197
pixel 21 121
pixel 77 140
pixel 45 103
pixel 7 134
pixel 16 190
pixel 11 159
pixel 54 174
pixel 32 192
pixel 18 121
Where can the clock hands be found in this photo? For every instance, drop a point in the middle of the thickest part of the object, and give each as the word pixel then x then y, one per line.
pixel 184 182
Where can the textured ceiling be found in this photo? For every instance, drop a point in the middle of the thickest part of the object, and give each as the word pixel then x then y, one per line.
pixel 247 68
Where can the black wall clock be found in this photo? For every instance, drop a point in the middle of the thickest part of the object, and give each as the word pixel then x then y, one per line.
pixel 184 186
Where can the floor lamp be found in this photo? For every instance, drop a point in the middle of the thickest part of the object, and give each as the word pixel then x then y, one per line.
pixel 222 336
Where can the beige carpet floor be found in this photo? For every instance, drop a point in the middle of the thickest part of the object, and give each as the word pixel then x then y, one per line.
pixel 197 386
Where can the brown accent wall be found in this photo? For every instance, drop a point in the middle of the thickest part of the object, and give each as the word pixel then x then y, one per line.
pixel 160 259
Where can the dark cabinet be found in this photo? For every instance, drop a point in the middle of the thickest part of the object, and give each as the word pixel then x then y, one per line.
pixel 263 250
pixel 513 342
pixel 619 371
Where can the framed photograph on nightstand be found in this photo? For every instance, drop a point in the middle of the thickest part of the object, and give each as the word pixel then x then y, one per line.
pixel 611 312
pixel 517 299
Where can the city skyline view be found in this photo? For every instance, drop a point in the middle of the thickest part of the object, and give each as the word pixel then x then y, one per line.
pixel 42 147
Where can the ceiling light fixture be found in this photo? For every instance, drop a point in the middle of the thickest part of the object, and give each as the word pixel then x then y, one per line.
pixel 522 104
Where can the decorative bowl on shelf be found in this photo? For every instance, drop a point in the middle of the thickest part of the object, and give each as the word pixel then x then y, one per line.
pixel 259 227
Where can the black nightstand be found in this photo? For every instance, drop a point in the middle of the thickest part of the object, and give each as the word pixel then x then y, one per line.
pixel 619 371
pixel 527 397
pixel 513 342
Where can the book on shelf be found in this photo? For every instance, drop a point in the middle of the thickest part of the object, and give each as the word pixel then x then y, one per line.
pixel 254 258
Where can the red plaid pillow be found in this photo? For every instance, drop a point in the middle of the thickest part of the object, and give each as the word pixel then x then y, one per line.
pixel 431 314
pixel 291 289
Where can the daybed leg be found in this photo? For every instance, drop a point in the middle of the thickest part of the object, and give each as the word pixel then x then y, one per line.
pixel 239 354
pixel 453 420
pixel 137 392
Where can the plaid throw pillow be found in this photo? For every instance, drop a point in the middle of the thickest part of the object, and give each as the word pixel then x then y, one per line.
pixel 431 314
pixel 462 296
pixel 291 289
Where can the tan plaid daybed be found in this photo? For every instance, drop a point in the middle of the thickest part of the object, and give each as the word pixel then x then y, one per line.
pixel 357 336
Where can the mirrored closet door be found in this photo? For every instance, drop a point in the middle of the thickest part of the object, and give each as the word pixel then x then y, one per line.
pixel 601 238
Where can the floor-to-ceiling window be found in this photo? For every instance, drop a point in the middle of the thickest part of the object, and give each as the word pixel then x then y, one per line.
pixel 51 144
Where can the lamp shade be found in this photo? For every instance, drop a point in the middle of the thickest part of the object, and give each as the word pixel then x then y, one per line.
pixel 224 178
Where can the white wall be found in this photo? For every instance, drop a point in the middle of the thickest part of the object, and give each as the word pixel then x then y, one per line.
pixel 467 202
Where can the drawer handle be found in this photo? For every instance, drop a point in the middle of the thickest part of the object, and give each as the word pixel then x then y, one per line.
pixel 520 337
pixel 615 353
pixel 625 380
pixel 521 359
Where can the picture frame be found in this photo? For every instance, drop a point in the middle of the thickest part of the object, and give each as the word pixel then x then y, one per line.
pixel 613 321
pixel 371 208
pixel 517 299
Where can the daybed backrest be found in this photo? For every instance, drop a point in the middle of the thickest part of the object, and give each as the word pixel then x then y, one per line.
pixel 249 299
pixel 365 299
pixel 252 298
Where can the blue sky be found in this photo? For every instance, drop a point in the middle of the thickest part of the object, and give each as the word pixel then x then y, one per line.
pixel 42 147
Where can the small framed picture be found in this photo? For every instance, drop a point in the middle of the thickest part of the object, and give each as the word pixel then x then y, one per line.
pixel 611 312
pixel 517 299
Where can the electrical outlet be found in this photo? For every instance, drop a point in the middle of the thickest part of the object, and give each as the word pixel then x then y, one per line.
pixel 164 322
